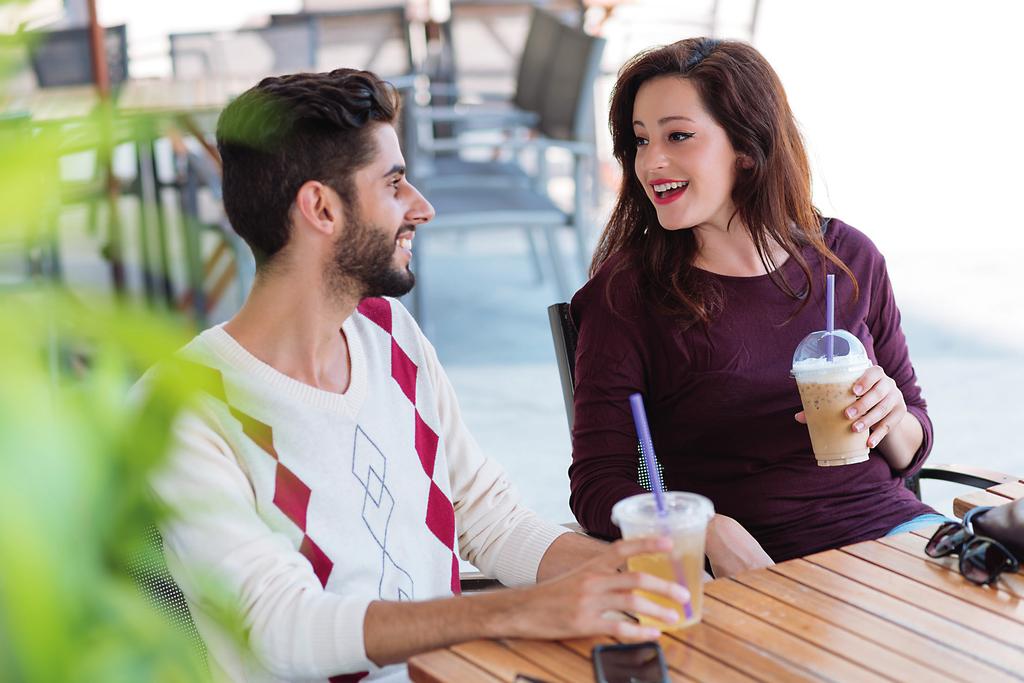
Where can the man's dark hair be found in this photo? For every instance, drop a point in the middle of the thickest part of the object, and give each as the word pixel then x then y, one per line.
pixel 288 130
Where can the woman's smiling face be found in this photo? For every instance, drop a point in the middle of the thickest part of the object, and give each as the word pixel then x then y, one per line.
pixel 684 159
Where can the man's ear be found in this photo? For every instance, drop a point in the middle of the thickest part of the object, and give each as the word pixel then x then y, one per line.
pixel 319 206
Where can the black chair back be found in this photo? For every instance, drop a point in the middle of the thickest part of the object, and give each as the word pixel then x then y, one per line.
pixel 535 60
pixel 567 106
pixel 64 57
pixel 565 336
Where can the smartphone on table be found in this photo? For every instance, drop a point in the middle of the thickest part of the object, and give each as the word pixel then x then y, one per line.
pixel 629 663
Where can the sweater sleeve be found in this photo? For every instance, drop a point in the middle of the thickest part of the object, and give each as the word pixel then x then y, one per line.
pixel 496 532
pixel 609 367
pixel 219 547
pixel 893 356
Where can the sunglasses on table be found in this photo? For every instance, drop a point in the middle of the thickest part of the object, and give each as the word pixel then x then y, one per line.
pixel 982 559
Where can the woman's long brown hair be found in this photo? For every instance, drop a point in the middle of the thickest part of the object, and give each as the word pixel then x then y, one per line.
pixel 743 94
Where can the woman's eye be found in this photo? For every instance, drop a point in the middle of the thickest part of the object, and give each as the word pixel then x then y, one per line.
pixel 679 137
pixel 640 142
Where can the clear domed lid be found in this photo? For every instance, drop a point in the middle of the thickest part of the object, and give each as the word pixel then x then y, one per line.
pixel 812 354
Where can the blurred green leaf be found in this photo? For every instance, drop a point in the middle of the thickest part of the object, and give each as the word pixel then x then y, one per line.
pixel 76 452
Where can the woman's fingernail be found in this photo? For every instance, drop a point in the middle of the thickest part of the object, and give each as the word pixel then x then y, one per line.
pixel 680 594
pixel 859 427
pixel 671 617
pixel 651 633
pixel 858 389
pixel 851 412
pixel 872 442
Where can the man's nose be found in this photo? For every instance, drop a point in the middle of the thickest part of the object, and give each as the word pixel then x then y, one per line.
pixel 421 210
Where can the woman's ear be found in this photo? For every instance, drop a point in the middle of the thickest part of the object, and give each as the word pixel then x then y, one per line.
pixel 745 161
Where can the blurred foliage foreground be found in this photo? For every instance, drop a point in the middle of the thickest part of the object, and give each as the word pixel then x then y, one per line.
pixel 75 456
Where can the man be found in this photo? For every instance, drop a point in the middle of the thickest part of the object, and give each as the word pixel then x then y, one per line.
pixel 328 484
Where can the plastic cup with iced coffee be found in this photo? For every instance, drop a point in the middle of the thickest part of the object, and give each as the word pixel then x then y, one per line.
pixel 826 365
pixel 684 519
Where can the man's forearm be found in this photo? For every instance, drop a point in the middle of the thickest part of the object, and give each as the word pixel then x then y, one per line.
pixel 395 631
pixel 567 553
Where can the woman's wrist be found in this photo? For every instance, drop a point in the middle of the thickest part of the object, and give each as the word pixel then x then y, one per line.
pixel 902 443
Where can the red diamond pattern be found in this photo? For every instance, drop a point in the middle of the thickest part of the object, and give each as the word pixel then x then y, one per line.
pixel 322 564
pixel 378 310
pixel 440 513
pixel 426 445
pixel 259 432
pixel 456 584
pixel 404 371
pixel 291 496
pixel 440 516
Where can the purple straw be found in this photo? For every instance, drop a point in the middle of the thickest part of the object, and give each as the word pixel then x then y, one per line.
pixel 643 432
pixel 830 315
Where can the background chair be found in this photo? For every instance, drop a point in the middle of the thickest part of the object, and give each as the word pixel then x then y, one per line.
pixel 477 195
pixel 564 336
pixel 484 42
pixel 64 57
pixel 374 38
pixel 244 53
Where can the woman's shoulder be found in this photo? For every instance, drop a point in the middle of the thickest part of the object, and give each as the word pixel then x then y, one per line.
pixel 852 246
pixel 613 288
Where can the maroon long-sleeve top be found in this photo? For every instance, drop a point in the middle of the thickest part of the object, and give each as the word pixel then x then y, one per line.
pixel 720 402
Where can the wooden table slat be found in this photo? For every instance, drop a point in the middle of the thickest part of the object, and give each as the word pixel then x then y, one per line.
pixel 783 644
pixel 1001 603
pixel 503 663
pixel 749 658
pixel 684 659
pixel 961 504
pixel 1012 490
pixel 822 633
pixel 844 581
pixel 891 623
pixel 554 657
pixel 881 579
pixel 444 666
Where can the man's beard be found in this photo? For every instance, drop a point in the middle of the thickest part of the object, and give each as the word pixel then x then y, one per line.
pixel 363 262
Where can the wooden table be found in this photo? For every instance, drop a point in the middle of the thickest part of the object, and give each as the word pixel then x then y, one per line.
pixel 874 611
pixel 994 495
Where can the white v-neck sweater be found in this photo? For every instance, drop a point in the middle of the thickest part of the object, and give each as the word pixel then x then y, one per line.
pixel 304 506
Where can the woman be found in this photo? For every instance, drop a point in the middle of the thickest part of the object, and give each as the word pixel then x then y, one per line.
pixel 709 273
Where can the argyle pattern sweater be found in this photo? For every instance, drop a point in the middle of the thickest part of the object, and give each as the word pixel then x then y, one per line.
pixel 303 506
